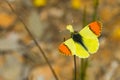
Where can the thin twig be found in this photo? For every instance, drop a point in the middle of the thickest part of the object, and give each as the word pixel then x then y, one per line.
pixel 37 44
pixel 75 67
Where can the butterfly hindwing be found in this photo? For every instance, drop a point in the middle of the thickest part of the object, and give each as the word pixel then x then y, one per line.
pixel 80 51
pixel 76 48
pixel 91 44
pixel 71 45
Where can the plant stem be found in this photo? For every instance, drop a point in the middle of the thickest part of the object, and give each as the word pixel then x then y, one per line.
pixel 81 70
pixel 84 62
pixel 96 3
pixel 84 17
pixel 35 41
pixel 83 66
pixel 75 68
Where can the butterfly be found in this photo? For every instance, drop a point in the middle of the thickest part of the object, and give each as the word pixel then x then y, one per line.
pixel 82 43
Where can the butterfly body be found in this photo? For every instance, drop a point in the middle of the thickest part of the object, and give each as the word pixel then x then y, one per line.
pixel 78 39
pixel 82 43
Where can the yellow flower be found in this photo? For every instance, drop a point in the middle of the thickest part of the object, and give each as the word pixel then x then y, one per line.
pixel 75 4
pixel 39 3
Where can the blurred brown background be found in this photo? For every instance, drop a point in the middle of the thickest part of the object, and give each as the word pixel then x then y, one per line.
pixel 47 20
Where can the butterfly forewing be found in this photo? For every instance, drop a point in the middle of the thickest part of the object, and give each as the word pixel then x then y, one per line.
pixel 89 38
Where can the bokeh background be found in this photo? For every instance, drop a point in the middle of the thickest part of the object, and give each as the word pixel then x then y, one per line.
pixel 20 58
